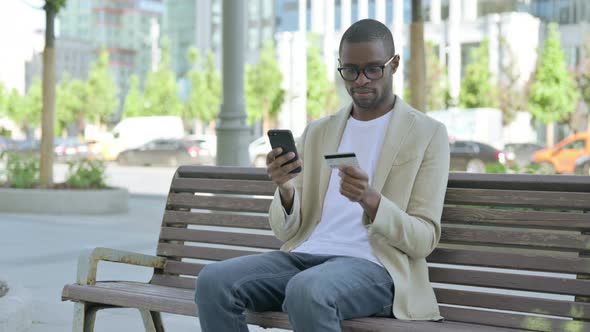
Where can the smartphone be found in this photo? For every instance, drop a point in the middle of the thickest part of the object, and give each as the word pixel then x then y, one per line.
pixel 283 138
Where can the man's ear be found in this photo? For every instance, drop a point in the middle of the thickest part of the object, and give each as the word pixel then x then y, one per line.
pixel 395 63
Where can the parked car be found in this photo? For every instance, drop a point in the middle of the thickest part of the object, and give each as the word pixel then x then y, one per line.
pixel 583 165
pixel 472 157
pixel 6 144
pixel 562 157
pixel 521 154
pixel 258 150
pixel 168 152
pixel 70 149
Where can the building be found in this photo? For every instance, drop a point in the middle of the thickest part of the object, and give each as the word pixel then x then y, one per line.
pixel 72 58
pixel 127 29
pixel 197 23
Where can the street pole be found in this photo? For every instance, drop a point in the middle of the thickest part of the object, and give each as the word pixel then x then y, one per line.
pixel 233 134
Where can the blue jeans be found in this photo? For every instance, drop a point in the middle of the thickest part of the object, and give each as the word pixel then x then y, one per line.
pixel 317 292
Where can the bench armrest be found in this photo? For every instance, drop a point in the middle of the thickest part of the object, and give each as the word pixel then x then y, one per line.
pixel 88 262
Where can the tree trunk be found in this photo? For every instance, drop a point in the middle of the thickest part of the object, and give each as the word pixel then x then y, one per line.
pixel 48 116
pixel 417 58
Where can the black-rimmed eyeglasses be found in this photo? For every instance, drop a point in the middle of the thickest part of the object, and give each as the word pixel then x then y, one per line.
pixel 372 72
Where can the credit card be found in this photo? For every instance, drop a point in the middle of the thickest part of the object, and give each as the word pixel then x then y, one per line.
pixel 341 159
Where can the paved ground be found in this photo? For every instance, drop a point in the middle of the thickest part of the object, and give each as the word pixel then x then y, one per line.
pixel 40 253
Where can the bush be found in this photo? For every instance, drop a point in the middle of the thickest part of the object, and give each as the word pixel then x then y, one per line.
pixel 515 169
pixel 85 174
pixel 21 171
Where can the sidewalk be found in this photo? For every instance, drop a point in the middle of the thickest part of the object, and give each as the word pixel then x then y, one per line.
pixel 40 253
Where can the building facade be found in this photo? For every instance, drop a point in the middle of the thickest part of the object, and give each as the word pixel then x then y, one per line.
pixel 128 29
pixel 72 58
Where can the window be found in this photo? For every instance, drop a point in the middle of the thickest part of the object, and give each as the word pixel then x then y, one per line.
pixel 575 145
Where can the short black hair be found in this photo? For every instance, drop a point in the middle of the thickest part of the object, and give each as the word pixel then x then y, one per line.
pixel 368 30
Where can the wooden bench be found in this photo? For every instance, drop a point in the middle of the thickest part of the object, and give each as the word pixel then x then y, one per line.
pixel 514 253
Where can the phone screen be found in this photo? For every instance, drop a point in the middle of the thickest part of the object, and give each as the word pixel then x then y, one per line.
pixel 283 138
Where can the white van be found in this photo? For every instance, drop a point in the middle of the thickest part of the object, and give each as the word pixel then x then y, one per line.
pixel 132 132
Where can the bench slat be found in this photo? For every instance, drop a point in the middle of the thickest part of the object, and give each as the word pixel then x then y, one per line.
pixel 223 186
pixel 523 238
pixel 518 261
pixel 537 219
pixel 511 281
pixel 222 172
pixel 501 319
pixel 226 203
pixel 173 281
pixel 536 182
pixel 528 199
pixel 183 268
pixel 513 303
pixel 197 252
pixel 216 219
pixel 236 239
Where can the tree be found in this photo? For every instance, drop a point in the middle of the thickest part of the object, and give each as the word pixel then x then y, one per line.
pixel 437 82
pixel 553 94
pixel 321 92
pixel 264 95
pixel 26 110
pixel 205 97
pixel 160 91
pixel 417 60
pixel 583 75
pixel 102 90
pixel 511 95
pixel 72 104
pixel 51 8
pixel 134 103
pixel 477 89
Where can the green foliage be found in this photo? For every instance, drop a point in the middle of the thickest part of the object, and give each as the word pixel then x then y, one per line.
pixel 55 4
pixel 321 92
pixel 160 91
pixel 437 82
pixel 134 103
pixel 498 168
pixel 264 95
pixel 553 95
pixel 86 174
pixel 102 90
pixel 26 110
pixel 477 89
pixel 21 171
pixel 583 75
pixel 205 96
pixel 512 97
pixel 72 103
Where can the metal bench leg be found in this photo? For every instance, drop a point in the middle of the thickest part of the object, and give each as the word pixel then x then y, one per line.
pixel 84 317
pixel 152 321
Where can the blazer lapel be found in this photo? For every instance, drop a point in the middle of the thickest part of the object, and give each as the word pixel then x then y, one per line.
pixel 330 142
pixel 400 125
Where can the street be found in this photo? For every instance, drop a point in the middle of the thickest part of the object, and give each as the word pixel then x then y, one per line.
pixel 40 252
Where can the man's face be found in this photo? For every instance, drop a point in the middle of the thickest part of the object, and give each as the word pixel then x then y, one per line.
pixel 366 93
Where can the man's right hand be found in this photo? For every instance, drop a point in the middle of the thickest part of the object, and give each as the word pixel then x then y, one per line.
pixel 279 174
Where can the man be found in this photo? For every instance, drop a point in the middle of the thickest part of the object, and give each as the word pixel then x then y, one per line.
pixel 352 233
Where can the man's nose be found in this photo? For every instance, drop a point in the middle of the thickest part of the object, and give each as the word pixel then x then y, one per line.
pixel 362 79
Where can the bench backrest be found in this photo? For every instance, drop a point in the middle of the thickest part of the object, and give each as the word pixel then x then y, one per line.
pixel 514 250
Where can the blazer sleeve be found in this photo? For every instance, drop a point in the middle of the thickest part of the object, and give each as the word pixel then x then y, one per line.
pixel 417 230
pixel 285 224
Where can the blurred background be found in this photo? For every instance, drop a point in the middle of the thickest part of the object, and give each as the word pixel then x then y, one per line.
pixel 138 82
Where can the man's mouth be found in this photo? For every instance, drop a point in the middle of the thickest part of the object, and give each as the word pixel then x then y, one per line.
pixel 362 93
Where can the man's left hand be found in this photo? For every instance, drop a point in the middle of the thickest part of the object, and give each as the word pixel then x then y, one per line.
pixel 354 183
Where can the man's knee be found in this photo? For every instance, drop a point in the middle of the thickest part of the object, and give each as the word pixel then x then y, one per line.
pixel 305 293
pixel 211 281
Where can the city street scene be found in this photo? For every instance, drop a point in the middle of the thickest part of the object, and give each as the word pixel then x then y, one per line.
pixel 143 126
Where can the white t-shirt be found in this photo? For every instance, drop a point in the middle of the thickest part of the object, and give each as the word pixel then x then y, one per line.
pixel 341 231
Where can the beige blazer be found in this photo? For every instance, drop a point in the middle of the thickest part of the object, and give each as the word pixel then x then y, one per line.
pixel 411 174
